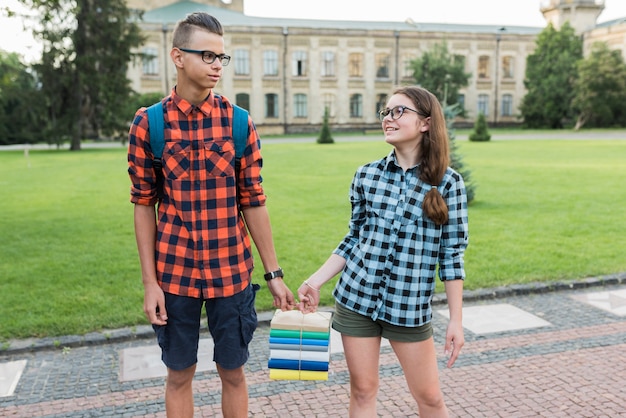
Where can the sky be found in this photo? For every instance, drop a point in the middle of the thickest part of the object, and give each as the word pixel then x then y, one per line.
pixel 13 38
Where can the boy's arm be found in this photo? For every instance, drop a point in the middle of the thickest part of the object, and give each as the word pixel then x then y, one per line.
pixel 145 234
pixel 258 223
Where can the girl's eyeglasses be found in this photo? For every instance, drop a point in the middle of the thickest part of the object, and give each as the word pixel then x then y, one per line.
pixel 395 112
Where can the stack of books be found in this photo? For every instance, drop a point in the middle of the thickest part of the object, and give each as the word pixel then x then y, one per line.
pixel 299 345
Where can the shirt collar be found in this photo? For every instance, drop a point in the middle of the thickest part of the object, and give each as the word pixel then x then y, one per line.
pixel 391 162
pixel 186 107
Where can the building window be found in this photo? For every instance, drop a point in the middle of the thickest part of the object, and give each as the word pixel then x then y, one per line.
pixel 271 105
pixel 507 105
pixel 150 61
pixel 381 102
pixel 243 100
pixel 242 62
pixel 328 64
pixel 407 67
pixel 483 66
pixel 356 65
pixel 329 103
pixel 483 104
pixel 299 64
pixel 507 67
pixel 382 65
pixel 356 106
pixel 270 62
pixel 300 106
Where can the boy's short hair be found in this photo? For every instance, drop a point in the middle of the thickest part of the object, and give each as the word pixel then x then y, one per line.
pixel 197 20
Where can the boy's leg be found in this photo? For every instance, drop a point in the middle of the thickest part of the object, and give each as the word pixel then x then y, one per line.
pixel 179 393
pixel 234 392
pixel 232 321
pixel 179 347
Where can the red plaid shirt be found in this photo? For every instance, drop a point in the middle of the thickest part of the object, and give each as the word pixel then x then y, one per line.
pixel 202 249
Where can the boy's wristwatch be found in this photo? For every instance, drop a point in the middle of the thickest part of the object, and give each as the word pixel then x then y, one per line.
pixel 273 274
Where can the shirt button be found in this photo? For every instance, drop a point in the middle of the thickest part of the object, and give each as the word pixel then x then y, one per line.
pixel 195 125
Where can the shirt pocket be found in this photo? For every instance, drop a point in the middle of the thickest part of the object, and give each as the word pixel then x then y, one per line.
pixel 219 158
pixel 176 162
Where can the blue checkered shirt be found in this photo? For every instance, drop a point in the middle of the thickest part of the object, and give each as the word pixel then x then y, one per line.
pixel 392 249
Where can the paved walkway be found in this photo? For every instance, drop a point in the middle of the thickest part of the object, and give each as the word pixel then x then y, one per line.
pixel 549 350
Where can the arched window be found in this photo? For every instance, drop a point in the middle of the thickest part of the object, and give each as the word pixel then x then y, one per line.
pixel 483 66
pixel 271 105
pixel 483 104
pixel 507 105
pixel 243 100
pixel 300 106
pixel 356 106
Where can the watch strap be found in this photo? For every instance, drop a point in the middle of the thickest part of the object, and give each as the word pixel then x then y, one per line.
pixel 273 274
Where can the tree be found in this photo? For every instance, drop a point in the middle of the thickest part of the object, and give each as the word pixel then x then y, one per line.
pixel 87 49
pixel 442 74
pixel 21 110
pixel 325 135
pixel 550 76
pixel 480 132
pixel 600 90
pixel 456 161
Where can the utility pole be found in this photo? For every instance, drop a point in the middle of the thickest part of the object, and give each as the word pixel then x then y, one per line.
pixel 497 78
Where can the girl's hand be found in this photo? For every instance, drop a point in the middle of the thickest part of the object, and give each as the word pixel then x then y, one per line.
pixel 309 296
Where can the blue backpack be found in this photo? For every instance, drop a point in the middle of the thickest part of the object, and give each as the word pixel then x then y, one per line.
pixel 157 140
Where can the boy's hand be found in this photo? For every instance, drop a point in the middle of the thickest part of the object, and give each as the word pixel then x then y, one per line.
pixel 154 304
pixel 283 297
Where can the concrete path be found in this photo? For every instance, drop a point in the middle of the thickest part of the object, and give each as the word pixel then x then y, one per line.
pixel 542 350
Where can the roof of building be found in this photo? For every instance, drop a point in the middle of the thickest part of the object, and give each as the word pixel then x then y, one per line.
pixel 174 12
pixel 613 22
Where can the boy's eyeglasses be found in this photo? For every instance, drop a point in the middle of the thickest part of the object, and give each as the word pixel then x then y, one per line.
pixel 395 112
pixel 209 56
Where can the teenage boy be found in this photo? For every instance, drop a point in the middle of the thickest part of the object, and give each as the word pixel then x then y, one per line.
pixel 194 249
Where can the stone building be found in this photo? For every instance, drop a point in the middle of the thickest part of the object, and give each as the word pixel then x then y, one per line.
pixel 287 71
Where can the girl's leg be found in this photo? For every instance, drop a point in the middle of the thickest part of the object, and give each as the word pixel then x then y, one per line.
pixel 419 363
pixel 362 355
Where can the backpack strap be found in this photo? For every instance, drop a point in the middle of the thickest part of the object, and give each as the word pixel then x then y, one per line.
pixel 156 128
pixel 240 135
pixel 240 129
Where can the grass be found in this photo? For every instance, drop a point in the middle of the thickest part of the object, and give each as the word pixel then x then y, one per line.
pixel 544 211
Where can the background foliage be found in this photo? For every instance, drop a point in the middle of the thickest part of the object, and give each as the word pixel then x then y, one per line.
pixel 550 76
pixel 600 89
pixel 82 73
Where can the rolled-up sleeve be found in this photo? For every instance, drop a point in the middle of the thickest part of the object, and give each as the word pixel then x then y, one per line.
pixel 455 234
pixel 143 189
pixel 250 188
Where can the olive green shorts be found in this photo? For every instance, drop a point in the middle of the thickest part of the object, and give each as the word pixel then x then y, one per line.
pixel 354 324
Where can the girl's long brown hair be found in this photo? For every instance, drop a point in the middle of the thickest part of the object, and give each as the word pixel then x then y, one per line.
pixel 434 151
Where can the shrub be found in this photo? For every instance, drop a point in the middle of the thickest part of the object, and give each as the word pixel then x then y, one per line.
pixel 480 133
pixel 325 136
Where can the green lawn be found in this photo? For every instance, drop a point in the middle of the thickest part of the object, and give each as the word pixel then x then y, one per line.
pixel 544 210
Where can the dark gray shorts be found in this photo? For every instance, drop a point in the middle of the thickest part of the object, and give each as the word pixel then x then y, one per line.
pixel 232 322
pixel 353 324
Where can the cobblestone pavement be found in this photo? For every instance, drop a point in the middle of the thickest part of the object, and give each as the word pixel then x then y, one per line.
pixel 569 364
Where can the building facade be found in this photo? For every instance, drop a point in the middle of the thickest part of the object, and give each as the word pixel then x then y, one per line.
pixel 287 71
